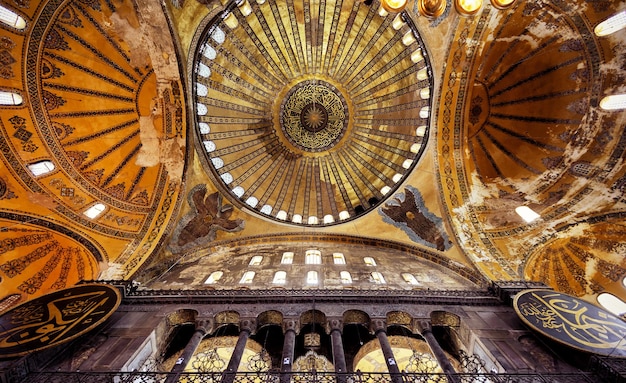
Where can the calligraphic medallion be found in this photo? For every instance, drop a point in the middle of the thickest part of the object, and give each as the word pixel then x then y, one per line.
pixel 572 322
pixel 314 115
pixel 56 318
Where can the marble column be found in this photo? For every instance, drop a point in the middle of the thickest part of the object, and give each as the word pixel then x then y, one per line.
pixel 380 329
pixel 425 329
pixel 245 328
pixel 289 345
pixel 339 357
pixel 190 349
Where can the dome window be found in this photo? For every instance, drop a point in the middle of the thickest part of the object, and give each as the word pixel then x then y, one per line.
pixel 41 167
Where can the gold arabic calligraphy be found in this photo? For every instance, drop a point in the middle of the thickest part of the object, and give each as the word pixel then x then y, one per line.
pixel 40 324
pixel 573 321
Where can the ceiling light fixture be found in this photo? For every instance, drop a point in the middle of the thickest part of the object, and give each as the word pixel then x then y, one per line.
pixel 394 6
pixel 503 4
pixel 431 9
pixel 468 7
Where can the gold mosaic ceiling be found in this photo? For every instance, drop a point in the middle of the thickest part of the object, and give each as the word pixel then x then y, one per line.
pixel 513 120
pixel 315 119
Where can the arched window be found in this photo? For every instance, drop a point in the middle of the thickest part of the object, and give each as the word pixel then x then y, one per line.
pixel 346 278
pixel 256 260
pixel 611 25
pixel 612 303
pixel 248 276
pixel 313 257
pixel 378 278
pixel 613 102
pixel 41 167
pixel 287 258
pixel 369 261
pixel 526 213
pixel 280 277
pixel 214 277
pixel 339 259
pixel 95 210
pixel 312 278
pixel 11 18
pixel 410 279
pixel 10 98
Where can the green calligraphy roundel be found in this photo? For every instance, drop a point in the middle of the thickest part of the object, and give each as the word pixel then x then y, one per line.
pixel 56 318
pixel 572 321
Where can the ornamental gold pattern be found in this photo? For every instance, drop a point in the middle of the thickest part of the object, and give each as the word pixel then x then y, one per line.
pixel 314 115
pixel 310 113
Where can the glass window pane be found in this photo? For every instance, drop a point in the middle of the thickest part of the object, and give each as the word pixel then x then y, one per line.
pixel 339 259
pixel 248 276
pixel 313 257
pixel 311 278
pixel 287 258
pixel 612 303
pixel 256 260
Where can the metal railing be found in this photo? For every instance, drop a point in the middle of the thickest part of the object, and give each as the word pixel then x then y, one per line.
pixel 301 377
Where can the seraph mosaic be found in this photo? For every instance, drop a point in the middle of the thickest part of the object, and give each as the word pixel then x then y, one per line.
pixel 408 212
pixel 208 216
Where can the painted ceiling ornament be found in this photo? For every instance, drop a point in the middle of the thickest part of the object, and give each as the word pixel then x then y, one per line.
pixel 208 215
pixel 408 212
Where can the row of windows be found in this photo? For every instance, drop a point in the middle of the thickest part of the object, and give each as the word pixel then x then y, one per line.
pixel 312 277
pixel 311 257
pixel 44 167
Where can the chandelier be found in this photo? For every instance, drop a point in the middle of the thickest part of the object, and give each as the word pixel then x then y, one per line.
pixel 433 9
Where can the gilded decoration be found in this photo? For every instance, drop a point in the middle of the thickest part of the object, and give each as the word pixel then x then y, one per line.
pixel 226 317
pixel 572 322
pixel 313 316
pixel 444 318
pixel 399 318
pixel 56 318
pixel 356 317
pixel 305 127
pixel 270 317
pixel 314 115
pixel 311 361
pixel 182 316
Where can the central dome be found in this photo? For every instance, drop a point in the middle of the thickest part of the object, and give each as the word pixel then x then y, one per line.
pixel 318 120
pixel 314 115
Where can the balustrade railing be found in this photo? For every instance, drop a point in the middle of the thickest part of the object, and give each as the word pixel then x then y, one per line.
pixel 302 377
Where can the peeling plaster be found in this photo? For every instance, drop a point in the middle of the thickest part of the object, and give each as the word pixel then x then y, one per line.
pixel 139 55
pixel 115 271
pixel 43 200
pixel 149 154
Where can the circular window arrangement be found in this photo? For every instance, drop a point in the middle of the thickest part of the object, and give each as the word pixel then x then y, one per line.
pixel 307 126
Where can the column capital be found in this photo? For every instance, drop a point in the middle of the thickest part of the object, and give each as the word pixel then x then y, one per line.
pixel 335 324
pixel 423 325
pixel 204 325
pixel 247 324
pixel 291 325
pixel 379 325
